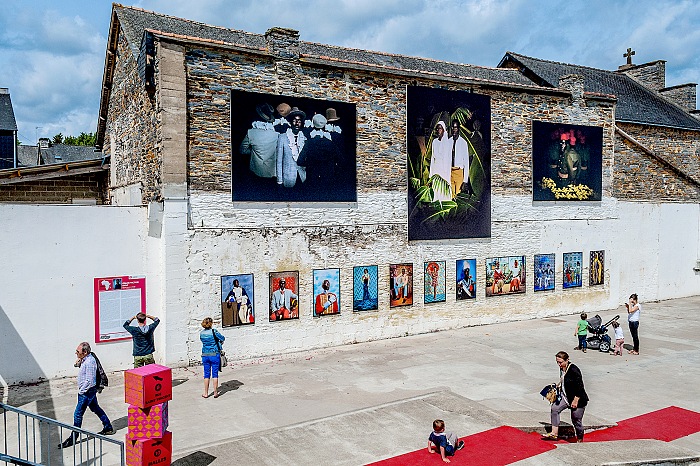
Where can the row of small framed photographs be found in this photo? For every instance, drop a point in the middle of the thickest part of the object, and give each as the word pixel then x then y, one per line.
pixel 504 275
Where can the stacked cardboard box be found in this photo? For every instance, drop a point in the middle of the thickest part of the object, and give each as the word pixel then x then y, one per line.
pixel 147 390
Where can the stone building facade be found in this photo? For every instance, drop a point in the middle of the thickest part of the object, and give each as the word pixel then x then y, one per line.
pixel 170 141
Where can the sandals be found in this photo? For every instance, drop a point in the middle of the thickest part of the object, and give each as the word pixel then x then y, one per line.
pixel 216 395
pixel 550 436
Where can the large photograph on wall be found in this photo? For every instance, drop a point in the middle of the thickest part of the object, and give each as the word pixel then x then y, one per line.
pixel 284 296
pixel 326 292
pixel 567 162
pixel 237 295
pixel 466 279
pixel 401 284
pixel 573 262
pixel 449 164
pixel 365 288
pixel 505 275
pixel 291 149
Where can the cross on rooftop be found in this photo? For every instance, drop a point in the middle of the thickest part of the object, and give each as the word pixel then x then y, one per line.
pixel 628 55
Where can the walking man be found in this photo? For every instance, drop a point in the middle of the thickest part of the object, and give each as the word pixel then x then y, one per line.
pixel 142 338
pixel 87 394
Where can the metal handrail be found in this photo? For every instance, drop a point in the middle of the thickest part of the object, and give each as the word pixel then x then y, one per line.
pixel 25 450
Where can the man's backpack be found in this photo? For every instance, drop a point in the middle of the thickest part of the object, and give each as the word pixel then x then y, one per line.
pixel 101 380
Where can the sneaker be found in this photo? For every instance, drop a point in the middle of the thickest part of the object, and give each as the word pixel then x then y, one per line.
pixel 460 444
pixel 107 431
pixel 584 350
pixel 69 442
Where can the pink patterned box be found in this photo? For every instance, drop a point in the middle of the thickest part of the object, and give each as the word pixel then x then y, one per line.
pixel 147 423
pixel 148 385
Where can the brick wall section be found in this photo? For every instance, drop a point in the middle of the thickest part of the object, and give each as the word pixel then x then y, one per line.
pixel 652 75
pixel 58 191
pixel 639 176
pixel 683 95
pixel 132 124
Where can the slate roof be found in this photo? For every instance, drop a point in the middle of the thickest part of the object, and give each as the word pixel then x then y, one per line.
pixel 26 156
pixel 134 21
pixel 58 153
pixel 7 115
pixel 635 102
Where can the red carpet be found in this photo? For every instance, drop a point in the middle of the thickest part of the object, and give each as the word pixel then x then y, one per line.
pixel 666 424
pixel 495 447
pixel 506 445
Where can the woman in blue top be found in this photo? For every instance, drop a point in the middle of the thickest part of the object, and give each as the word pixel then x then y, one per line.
pixel 211 358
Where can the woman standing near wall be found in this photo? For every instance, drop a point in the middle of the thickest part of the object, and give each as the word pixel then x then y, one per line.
pixel 211 355
pixel 633 311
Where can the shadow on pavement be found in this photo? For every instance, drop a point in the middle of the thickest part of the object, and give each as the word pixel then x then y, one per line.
pixel 198 458
pixel 229 386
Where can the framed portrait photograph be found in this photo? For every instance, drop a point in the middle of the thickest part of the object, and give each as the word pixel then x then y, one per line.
pixel 284 296
pixel 505 275
pixel 465 279
pixel 326 292
pixel 292 149
pixel 365 288
pixel 572 263
pixel 434 282
pixel 401 284
pixel 596 268
pixel 544 272
pixel 237 300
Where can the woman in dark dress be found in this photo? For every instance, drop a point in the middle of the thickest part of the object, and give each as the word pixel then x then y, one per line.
pixel 573 396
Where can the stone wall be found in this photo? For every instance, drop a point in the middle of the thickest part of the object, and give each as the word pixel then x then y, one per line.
pixel 652 75
pixel 683 95
pixel 64 190
pixel 640 176
pixel 130 137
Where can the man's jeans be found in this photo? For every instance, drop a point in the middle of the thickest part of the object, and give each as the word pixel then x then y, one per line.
pixel 89 400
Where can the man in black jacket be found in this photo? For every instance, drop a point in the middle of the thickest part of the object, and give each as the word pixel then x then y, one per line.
pixel 144 347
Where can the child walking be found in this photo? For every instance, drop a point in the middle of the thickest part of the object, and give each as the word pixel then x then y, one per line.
pixel 619 339
pixel 582 332
pixel 445 443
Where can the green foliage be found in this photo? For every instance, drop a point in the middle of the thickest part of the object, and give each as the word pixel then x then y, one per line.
pixel 85 139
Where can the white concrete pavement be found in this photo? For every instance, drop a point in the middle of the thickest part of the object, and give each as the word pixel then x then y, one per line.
pixel 360 403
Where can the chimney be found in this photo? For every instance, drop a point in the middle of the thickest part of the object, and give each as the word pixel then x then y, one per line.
pixel 283 43
pixel 651 75
pixel 574 84
pixel 44 143
pixel 683 95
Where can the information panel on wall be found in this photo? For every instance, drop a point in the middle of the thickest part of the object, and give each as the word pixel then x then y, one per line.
pixel 116 300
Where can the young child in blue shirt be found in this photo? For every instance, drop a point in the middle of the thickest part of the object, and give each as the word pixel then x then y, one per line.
pixel 445 443
pixel 582 332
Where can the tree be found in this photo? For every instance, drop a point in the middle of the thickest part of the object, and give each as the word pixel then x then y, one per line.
pixel 85 139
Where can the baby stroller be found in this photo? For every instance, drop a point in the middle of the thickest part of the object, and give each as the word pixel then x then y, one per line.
pixel 598 334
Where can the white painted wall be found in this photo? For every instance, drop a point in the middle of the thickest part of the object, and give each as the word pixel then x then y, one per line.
pixel 650 249
pixel 50 255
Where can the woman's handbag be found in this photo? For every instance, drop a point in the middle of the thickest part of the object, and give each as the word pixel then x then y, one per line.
pixel 550 392
pixel 222 355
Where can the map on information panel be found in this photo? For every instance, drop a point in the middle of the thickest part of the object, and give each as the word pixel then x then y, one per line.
pixel 116 300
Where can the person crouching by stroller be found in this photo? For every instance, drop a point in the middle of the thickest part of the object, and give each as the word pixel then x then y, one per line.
pixel 445 443
pixel 619 339
pixel 573 396
pixel 582 332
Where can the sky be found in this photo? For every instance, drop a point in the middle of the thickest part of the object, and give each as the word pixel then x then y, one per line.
pixel 52 52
